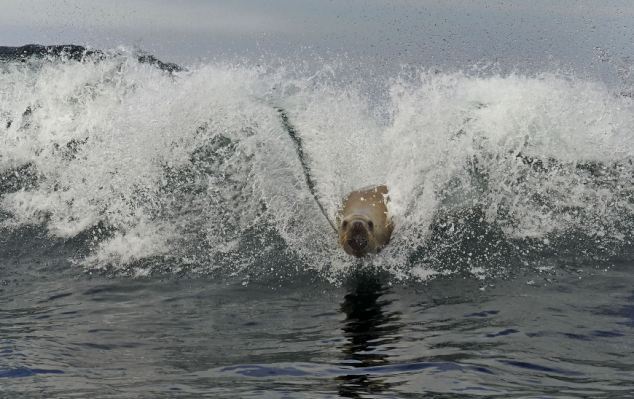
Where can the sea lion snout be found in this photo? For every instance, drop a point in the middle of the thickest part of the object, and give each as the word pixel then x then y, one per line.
pixel 358 243
pixel 358 240
pixel 356 237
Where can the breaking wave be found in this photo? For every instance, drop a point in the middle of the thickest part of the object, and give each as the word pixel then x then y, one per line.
pixel 152 167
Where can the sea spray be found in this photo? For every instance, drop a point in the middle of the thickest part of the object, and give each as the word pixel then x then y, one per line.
pixel 192 169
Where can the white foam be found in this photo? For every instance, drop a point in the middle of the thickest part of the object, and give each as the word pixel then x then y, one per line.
pixel 140 132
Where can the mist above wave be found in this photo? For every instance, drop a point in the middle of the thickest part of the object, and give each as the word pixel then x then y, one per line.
pixel 192 169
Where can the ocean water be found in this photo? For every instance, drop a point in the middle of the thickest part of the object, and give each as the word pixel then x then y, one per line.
pixel 158 238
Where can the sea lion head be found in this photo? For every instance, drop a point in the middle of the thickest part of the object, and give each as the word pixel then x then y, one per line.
pixel 356 235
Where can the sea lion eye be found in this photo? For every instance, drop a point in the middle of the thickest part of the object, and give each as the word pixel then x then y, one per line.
pixel 370 225
pixel 344 224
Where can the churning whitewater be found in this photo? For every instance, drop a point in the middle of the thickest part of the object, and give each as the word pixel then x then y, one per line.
pixel 159 169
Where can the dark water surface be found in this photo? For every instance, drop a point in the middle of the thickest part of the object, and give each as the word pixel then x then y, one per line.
pixel 550 335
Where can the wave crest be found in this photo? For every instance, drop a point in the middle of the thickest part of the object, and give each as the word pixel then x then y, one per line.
pixel 192 169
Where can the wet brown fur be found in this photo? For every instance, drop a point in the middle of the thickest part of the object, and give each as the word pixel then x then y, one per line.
pixel 364 219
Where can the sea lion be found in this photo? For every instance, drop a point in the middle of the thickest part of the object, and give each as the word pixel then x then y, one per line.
pixel 364 225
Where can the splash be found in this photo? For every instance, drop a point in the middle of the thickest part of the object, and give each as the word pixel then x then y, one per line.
pixel 192 169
